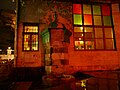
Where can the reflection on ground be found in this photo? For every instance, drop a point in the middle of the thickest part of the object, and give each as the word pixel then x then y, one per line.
pixel 100 80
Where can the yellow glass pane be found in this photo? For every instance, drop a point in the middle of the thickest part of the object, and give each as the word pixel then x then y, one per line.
pixel 78 29
pixel 31 28
pixel 86 9
pixel 88 29
pixel 79 45
pixel 97 20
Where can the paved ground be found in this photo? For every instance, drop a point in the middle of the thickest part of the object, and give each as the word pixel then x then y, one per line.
pixel 31 79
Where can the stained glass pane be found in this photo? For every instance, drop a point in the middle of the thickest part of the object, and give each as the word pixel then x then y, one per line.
pixel 89 45
pixel 78 29
pixel 26 42
pixel 97 20
pixel 98 33
pixel 87 19
pixel 78 38
pixel 99 44
pixel 88 32
pixel 77 19
pixel 86 9
pixel 80 34
pixel 108 32
pixel 109 43
pixel 88 29
pixel 77 9
pixel 79 45
pixel 105 10
pixel 107 20
pixel 96 10
pixel 34 42
pixel 31 29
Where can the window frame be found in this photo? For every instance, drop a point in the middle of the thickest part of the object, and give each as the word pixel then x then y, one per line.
pixel 94 26
pixel 30 33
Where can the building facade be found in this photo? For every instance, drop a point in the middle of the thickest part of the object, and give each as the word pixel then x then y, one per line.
pixel 92 45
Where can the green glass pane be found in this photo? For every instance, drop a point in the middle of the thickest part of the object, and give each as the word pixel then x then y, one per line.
pixel 96 10
pixel 107 20
pixel 86 9
pixel 99 44
pixel 97 20
pixel 98 33
pixel 77 19
pixel 109 43
pixel 108 32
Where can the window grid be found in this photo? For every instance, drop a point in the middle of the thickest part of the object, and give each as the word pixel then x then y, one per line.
pixel 94 18
pixel 30 37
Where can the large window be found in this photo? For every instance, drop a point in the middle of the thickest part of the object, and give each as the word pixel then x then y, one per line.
pixel 93 28
pixel 30 37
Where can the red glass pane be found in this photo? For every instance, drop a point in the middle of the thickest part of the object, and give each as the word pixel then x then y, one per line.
pixel 77 9
pixel 105 10
pixel 87 19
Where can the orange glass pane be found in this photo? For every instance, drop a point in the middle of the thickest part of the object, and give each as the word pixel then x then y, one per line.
pixel 105 10
pixel 99 44
pixel 87 19
pixel 108 32
pixel 80 34
pixel 98 33
pixel 77 9
pixel 109 43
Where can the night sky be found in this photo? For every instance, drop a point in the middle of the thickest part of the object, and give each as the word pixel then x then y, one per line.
pixel 7 4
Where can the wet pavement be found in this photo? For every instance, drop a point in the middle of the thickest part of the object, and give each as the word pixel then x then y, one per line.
pixel 100 80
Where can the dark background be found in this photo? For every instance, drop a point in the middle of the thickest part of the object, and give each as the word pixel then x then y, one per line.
pixel 7 12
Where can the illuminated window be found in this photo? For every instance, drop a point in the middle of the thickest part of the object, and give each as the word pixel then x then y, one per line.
pixel 30 37
pixel 93 28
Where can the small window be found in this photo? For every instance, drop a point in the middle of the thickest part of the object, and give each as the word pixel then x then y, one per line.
pixel 30 37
